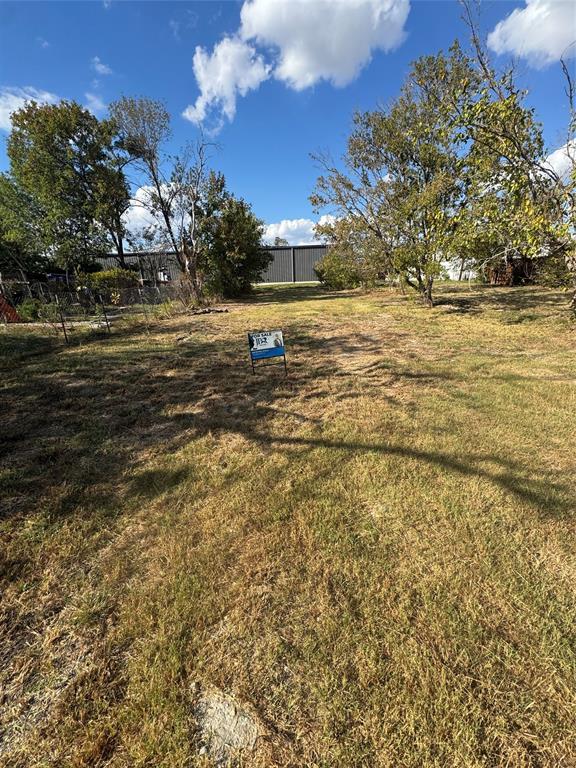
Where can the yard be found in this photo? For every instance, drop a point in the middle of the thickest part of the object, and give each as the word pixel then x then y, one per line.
pixel 375 555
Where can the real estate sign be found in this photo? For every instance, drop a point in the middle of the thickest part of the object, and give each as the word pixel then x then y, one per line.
pixel 266 344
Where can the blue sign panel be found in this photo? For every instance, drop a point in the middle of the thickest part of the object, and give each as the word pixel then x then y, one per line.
pixel 266 344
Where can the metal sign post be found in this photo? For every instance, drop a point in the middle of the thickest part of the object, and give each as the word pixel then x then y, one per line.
pixel 265 345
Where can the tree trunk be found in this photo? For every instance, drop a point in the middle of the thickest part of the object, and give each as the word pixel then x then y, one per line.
pixel 570 259
pixel 121 259
pixel 425 288
pixel 427 292
pixel 120 243
pixel 190 269
pixel 461 268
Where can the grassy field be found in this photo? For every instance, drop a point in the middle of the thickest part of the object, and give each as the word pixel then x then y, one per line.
pixel 376 554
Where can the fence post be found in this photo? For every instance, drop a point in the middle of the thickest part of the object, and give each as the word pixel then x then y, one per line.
pixel 140 269
pixel 143 302
pixel 293 264
pixel 104 311
pixel 26 283
pixel 61 318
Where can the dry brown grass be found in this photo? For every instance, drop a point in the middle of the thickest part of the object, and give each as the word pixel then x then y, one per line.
pixel 376 554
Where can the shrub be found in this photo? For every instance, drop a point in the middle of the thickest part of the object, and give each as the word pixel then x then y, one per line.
pixel 163 311
pixel 235 258
pixel 110 282
pixel 554 271
pixel 339 271
pixel 30 309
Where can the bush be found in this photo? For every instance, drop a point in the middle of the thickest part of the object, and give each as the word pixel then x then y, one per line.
pixel 235 258
pixel 36 310
pixel 554 271
pixel 110 282
pixel 163 311
pixel 30 310
pixel 338 271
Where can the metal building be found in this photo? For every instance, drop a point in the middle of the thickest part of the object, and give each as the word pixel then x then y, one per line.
pixel 290 264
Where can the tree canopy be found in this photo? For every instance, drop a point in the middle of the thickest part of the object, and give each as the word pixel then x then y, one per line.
pixel 453 170
pixel 61 161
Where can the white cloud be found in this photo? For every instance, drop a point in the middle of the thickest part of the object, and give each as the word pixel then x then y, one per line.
pixel 233 68
pixel 143 213
pixel 139 215
pixel 12 99
pixel 42 42
pixel 295 231
pixel 563 160
pixel 94 103
pixel 304 41
pixel 100 67
pixel 324 41
pixel 540 32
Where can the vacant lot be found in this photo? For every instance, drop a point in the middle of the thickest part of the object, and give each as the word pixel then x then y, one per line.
pixel 375 555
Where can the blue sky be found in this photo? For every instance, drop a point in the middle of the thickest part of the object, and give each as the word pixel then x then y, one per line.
pixel 279 79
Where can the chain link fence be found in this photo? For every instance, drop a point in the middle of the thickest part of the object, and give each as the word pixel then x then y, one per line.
pixel 70 308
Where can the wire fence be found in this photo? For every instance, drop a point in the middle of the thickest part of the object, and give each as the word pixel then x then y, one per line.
pixel 71 309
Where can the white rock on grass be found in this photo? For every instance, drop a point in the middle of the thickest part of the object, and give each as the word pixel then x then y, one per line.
pixel 225 727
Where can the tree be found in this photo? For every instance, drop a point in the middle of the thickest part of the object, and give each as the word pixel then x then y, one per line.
pixel 21 245
pixel 397 196
pixel 215 237
pixel 280 241
pixel 111 193
pixel 455 169
pixel 61 157
pixel 173 189
pixel 231 241
pixel 356 258
pixel 511 213
pixel 519 207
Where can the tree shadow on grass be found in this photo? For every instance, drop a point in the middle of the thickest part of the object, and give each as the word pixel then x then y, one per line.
pixel 18 344
pixel 86 436
pixel 294 292
pixel 510 476
pixel 154 482
pixel 84 422
pixel 513 299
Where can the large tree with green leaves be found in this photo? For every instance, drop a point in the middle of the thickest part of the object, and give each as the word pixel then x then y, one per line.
pixel 454 170
pixel 398 191
pixel 518 207
pixel 21 220
pixel 61 157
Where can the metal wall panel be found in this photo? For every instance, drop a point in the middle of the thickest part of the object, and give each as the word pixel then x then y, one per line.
pixel 280 268
pixel 293 265
pixel 148 264
pixel 109 262
pixel 304 259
